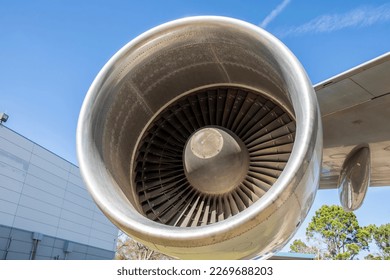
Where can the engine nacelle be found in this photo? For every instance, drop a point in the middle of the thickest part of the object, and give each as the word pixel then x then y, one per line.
pixel 202 139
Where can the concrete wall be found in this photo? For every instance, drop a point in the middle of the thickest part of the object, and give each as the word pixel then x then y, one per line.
pixel 41 192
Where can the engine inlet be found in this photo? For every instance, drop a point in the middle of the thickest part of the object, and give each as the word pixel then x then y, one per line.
pixel 210 155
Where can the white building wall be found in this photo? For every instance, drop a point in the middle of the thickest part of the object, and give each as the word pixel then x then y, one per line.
pixel 40 191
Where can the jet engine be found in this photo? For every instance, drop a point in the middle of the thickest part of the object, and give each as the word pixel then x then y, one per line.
pixel 202 139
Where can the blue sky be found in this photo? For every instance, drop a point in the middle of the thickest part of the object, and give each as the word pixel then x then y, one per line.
pixel 50 52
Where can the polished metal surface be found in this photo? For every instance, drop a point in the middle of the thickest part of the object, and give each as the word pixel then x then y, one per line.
pixel 355 178
pixel 145 116
pixel 215 162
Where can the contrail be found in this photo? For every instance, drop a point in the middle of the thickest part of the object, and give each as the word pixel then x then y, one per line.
pixel 274 13
pixel 359 17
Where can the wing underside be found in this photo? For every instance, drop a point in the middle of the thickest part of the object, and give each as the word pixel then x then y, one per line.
pixel 355 108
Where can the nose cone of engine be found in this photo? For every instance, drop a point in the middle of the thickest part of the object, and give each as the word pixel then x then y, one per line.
pixel 215 162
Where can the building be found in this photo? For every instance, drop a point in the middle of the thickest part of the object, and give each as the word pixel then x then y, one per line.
pixel 45 209
pixel 293 256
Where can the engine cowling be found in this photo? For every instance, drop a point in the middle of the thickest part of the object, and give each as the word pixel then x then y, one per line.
pixel 202 139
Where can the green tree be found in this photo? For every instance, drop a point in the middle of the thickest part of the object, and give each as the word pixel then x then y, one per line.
pixel 381 237
pixel 339 231
pixel 129 249
pixel 298 246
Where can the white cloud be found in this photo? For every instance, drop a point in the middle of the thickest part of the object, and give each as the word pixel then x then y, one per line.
pixel 360 17
pixel 271 16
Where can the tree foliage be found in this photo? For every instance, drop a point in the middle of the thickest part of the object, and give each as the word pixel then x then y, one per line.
pixel 339 236
pixel 299 246
pixel 129 249
pixel 381 237
pixel 339 231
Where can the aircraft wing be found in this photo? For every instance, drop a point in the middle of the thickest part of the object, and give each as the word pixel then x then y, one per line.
pixel 355 109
